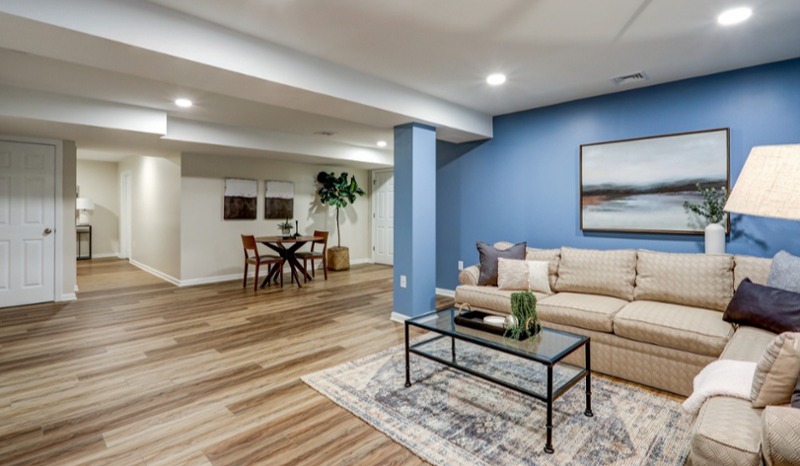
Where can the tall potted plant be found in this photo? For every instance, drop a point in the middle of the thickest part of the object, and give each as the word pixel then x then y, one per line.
pixel 338 191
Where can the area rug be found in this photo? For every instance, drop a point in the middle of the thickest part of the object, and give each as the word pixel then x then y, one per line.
pixel 448 417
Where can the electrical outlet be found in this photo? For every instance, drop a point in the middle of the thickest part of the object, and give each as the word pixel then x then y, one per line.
pixel 460 265
pixel 402 281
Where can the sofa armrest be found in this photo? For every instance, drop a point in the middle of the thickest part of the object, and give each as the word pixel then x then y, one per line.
pixel 780 431
pixel 470 275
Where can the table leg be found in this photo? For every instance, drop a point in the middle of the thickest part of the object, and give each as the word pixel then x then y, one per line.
pixel 548 448
pixel 453 348
pixel 408 367
pixel 588 351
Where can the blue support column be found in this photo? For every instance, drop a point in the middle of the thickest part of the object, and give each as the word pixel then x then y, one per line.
pixel 414 219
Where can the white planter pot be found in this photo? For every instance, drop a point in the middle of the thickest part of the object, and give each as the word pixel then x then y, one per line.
pixel 715 239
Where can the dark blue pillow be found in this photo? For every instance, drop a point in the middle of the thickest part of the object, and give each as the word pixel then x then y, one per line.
pixel 765 307
pixel 796 396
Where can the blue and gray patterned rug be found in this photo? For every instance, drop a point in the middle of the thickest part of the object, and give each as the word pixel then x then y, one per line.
pixel 448 417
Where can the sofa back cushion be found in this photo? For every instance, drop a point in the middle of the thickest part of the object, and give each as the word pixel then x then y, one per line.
pixel 609 273
pixel 701 280
pixel 754 268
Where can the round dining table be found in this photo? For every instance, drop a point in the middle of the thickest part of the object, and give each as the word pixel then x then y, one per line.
pixel 286 247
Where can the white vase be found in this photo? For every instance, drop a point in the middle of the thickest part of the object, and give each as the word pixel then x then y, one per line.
pixel 715 239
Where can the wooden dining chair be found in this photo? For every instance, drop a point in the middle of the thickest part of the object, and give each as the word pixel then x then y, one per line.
pixel 313 255
pixel 251 256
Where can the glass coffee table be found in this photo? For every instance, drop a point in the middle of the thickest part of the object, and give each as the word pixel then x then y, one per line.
pixel 548 348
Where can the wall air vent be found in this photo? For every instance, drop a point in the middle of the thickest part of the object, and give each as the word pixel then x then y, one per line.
pixel 630 78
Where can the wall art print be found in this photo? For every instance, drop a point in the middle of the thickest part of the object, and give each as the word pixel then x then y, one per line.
pixel 241 196
pixel 279 199
pixel 640 185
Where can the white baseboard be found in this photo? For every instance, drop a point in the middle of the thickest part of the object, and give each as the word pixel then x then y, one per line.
pixel 68 297
pixel 157 273
pixel 401 318
pixel 445 292
pixel 216 279
pixel 361 261
pixel 106 255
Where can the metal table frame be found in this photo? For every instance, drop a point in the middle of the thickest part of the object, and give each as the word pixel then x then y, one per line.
pixel 552 394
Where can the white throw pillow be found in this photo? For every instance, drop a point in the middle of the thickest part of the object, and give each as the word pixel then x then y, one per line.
pixel 538 279
pixel 512 274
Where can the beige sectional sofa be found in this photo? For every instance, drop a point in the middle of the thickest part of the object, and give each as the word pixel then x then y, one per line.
pixel 654 318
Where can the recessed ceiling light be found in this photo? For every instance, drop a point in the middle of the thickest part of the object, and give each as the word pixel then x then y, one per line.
pixel 183 103
pixel 381 143
pixel 734 16
pixel 496 79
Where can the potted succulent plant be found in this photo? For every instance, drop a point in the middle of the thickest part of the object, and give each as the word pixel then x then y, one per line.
pixel 338 191
pixel 711 209
pixel 285 228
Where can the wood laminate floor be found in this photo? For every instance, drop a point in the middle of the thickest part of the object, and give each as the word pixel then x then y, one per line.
pixel 139 372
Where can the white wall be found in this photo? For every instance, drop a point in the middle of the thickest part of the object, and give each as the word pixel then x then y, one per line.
pixel 155 214
pixel 68 247
pixel 211 247
pixel 99 182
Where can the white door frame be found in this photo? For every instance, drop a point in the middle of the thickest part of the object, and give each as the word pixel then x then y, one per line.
pixel 125 214
pixel 58 247
pixel 375 206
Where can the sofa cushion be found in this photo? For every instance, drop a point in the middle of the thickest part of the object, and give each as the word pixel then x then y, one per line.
pixel 727 431
pixel 748 344
pixel 777 371
pixel 785 272
pixel 701 280
pixel 552 256
pixel 488 259
pixel 754 268
pixel 762 306
pixel 488 297
pixel 592 271
pixel 470 275
pixel 692 329
pixel 592 312
pixel 780 431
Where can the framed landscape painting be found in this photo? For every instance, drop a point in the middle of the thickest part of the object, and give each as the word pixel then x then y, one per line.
pixel 240 199
pixel 278 199
pixel 640 185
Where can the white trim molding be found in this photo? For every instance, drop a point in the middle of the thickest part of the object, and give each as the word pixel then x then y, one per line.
pixel 445 292
pixel 157 273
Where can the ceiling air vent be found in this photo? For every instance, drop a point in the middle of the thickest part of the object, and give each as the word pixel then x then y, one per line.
pixel 630 78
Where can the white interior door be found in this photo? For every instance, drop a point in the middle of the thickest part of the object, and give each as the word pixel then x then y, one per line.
pixel 27 223
pixel 383 217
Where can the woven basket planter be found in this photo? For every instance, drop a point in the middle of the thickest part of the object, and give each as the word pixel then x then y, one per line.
pixel 338 258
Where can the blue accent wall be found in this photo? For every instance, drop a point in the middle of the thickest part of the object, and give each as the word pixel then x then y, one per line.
pixel 523 185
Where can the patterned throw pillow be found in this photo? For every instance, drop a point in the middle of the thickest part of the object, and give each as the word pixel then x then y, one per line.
pixel 538 276
pixel 785 272
pixel 513 274
pixel 488 258
pixel 777 371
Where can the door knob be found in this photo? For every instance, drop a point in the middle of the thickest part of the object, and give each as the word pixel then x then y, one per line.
pixel 47 231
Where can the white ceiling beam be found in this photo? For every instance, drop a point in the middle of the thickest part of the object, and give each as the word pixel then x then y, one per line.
pixel 47 106
pixel 258 139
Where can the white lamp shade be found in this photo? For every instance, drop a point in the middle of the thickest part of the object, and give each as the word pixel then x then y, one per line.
pixel 83 203
pixel 769 185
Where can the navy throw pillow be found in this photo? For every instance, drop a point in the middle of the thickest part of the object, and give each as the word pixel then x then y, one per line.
pixel 489 255
pixel 764 307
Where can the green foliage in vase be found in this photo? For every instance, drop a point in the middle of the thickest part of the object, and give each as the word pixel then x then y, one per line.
pixel 338 191
pixel 523 311
pixel 713 203
pixel 285 225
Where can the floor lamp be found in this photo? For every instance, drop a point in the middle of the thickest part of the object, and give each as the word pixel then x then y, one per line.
pixel 769 185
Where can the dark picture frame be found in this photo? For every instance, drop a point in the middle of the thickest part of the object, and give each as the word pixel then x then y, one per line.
pixel 278 199
pixel 640 185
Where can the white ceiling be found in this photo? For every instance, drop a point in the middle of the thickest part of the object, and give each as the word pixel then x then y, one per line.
pixel 268 74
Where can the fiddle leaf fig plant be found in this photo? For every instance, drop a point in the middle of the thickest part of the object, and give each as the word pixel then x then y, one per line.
pixel 338 191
